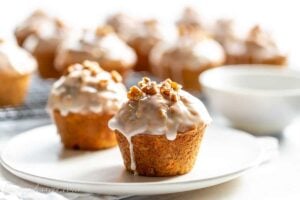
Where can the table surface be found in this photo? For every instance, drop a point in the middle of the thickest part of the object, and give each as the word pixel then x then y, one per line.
pixel 277 179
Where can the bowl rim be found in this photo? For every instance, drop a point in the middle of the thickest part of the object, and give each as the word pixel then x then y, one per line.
pixel 254 68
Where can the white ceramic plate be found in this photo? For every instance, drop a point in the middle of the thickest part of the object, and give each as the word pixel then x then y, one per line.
pixel 38 156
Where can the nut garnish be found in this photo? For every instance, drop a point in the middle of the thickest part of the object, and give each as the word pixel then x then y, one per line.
pixel 103 83
pixel 135 93
pixel 148 86
pixel 116 76
pixel 168 89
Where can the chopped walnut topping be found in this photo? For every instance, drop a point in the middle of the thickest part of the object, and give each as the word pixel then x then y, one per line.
pixel 104 30
pixel 93 67
pixel 88 66
pixel 102 83
pixel 148 86
pixel 135 93
pixel 170 89
pixel 116 76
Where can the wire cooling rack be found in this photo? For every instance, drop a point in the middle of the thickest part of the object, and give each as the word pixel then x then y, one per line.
pixel 34 106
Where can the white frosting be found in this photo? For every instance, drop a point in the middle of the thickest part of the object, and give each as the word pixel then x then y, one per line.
pixel 158 115
pixel 41 30
pixel 186 53
pixel 124 25
pixel 79 92
pixel 108 47
pixel 141 34
pixel 15 60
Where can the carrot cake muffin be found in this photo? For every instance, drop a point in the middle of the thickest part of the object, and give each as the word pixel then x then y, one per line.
pixel 81 103
pixel 159 129
pixel 142 36
pixel 183 60
pixel 102 46
pixel 258 47
pixel 16 67
pixel 41 34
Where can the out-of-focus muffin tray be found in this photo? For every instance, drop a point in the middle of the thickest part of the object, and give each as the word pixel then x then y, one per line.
pixel 34 106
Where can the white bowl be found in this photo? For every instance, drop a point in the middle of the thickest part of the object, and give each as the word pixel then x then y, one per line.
pixel 260 99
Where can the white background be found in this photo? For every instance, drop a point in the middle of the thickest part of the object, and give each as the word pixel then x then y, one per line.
pixel 280 16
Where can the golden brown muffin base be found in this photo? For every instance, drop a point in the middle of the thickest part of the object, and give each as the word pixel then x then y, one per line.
pixel 85 132
pixel 45 60
pixel 157 156
pixel 13 89
pixel 278 61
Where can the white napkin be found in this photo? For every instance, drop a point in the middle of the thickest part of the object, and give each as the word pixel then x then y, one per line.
pixel 9 191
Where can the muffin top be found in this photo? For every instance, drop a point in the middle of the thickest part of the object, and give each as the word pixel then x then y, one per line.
pixel 226 33
pixel 190 18
pixel 192 50
pixel 15 60
pixel 40 27
pixel 146 36
pixel 100 45
pixel 260 45
pixel 158 109
pixel 124 25
pixel 87 88
pixel 140 34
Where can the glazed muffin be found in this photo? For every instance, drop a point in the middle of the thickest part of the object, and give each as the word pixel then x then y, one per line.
pixel 183 60
pixel 257 47
pixel 81 103
pixel 41 34
pixel 142 36
pixel 102 46
pixel 16 67
pixel 160 128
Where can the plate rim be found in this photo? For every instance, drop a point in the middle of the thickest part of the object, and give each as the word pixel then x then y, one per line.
pixel 53 182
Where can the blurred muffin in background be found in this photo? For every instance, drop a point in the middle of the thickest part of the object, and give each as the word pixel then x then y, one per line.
pixel 102 46
pixel 141 35
pixel 190 18
pixel 124 25
pixel 16 67
pixel 41 34
pixel 82 101
pixel 183 60
pixel 257 47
